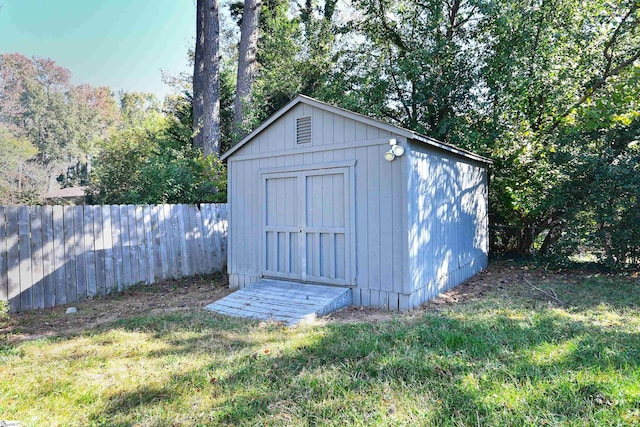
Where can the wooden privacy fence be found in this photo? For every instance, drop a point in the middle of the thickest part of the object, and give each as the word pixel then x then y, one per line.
pixel 55 255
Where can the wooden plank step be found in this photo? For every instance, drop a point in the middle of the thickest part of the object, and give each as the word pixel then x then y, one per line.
pixel 282 301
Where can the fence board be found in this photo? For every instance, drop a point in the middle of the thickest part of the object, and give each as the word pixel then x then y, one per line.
pixel 192 232
pixel 37 267
pixel 163 240
pixel 118 263
pixel 69 255
pixel 176 236
pixel 48 267
pixel 126 245
pixel 59 275
pixel 107 232
pixel 172 239
pixel 90 239
pixel 80 253
pixel 156 236
pixel 55 255
pixel 13 258
pixel 99 239
pixel 148 233
pixel 24 248
pixel 4 289
pixel 140 244
pixel 204 251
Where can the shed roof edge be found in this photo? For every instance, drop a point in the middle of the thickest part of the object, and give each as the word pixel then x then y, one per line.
pixel 358 117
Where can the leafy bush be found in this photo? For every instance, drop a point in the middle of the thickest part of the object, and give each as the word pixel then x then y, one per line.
pixel 4 312
pixel 145 163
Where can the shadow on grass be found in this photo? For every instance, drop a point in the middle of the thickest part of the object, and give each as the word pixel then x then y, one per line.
pixel 436 370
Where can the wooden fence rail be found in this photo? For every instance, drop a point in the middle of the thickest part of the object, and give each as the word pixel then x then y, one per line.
pixel 55 255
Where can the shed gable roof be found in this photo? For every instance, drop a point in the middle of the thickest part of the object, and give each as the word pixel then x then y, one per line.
pixel 301 99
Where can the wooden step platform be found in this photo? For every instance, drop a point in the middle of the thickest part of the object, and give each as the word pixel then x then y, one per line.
pixel 282 301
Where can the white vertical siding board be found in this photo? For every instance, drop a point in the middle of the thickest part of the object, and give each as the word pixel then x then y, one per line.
pixel 374 298
pixel 388 224
pixel 337 136
pixel 373 216
pixel 48 263
pixel 254 226
pixel 408 208
pixel 80 253
pixel 13 258
pixel 355 293
pixel 240 219
pixel 149 247
pixel 91 239
pixel 365 297
pixel 362 236
pixel 107 235
pixel 37 267
pixel 231 189
pixel 399 215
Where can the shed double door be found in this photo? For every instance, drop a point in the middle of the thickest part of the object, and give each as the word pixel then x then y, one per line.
pixel 306 230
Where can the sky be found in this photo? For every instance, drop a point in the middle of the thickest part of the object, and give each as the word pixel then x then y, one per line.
pixel 123 44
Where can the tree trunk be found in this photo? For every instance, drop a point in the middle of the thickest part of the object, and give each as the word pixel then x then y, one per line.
pixel 211 108
pixel 206 90
pixel 198 74
pixel 246 63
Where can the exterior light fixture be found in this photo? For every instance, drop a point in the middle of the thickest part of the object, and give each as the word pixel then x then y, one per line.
pixel 395 151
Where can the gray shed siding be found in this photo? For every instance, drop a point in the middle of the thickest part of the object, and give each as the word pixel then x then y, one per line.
pixel 406 230
pixel 448 221
pixel 380 195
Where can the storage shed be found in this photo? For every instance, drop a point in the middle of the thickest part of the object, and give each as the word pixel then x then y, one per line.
pixel 323 195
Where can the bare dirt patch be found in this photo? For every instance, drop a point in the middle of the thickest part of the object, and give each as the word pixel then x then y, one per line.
pixel 190 293
pixel 503 280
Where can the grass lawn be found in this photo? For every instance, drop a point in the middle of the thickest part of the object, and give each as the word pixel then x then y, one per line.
pixel 493 352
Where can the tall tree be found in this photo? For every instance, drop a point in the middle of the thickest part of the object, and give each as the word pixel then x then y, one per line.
pixel 206 78
pixel 247 64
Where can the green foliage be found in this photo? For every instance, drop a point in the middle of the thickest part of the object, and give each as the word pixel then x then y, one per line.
pixel 4 313
pixel 21 178
pixel 547 89
pixel 151 160
pixel 64 122
pixel 295 55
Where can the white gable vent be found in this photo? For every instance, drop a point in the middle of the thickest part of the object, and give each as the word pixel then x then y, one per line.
pixel 303 130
